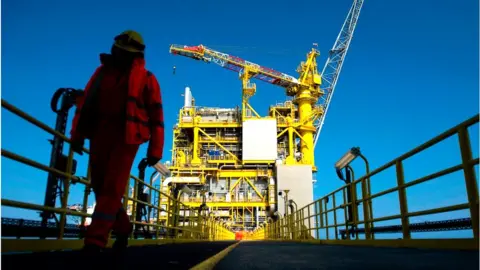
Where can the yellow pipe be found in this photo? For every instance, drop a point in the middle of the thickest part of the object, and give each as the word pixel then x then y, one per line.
pixel 305 101
pixel 195 159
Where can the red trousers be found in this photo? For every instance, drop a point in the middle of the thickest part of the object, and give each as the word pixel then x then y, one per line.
pixel 111 162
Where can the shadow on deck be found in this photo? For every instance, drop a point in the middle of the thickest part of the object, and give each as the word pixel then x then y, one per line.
pixel 251 255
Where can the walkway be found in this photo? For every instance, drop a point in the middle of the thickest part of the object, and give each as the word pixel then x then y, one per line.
pixel 253 255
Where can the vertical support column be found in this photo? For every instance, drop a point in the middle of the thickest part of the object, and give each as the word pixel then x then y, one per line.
pixel 195 159
pixel 369 193
pixel 305 101
pixel 66 191
pixel 291 146
pixel 345 213
pixel 353 187
pixel 327 229
pixel 134 205
pixel 402 196
pixel 366 212
pixel 335 216
pixel 309 233
pixel 320 215
pixel 470 178
pixel 86 193
pixel 159 211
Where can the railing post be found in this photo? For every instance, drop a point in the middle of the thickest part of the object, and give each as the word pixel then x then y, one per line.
pixel 369 193
pixel 366 215
pixel 66 191
pixel 353 195
pixel 470 178
pixel 134 206
pixel 176 218
pixel 86 194
pixel 159 212
pixel 402 196
pixel 327 228
pixel 309 222
pixel 345 212
pixel 335 216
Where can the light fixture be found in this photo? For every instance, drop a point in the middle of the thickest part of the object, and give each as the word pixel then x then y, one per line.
pixel 347 158
pixel 340 174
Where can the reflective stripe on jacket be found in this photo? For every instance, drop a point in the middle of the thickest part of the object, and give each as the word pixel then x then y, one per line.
pixel 144 112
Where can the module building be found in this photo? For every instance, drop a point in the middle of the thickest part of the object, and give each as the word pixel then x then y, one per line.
pixel 238 165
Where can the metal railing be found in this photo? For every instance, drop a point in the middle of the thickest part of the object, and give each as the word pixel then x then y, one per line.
pixel 307 222
pixel 182 223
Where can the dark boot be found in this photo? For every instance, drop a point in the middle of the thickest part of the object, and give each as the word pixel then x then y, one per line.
pixel 92 256
pixel 91 249
pixel 119 249
pixel 121 243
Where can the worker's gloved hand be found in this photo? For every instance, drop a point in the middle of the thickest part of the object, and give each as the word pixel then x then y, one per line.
pixel 77 146
pixel 152 161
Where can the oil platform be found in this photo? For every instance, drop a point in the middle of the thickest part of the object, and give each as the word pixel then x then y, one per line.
pixel 238 175
pixel 243 167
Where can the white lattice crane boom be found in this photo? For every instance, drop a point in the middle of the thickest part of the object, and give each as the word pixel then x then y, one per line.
pixel 333 66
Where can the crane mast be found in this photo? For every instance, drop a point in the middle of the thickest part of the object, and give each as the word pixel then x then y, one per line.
pixel 333 66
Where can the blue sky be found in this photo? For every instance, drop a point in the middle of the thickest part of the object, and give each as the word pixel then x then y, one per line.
pixel 411 73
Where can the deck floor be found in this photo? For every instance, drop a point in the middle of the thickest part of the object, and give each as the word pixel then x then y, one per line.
pixel 251 255
pixel 277 255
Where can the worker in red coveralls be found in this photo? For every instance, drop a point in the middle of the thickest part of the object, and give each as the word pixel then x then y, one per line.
pixel 121 109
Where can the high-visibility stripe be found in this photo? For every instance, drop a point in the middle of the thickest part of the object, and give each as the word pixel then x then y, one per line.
pixel 139 104
pixel 152 122
pixel 137 120
pixel 157 123
pixel 103 216
pixel 157 106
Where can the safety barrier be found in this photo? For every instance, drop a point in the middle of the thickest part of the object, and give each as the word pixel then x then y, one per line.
pixel 179 223
pixel 305 224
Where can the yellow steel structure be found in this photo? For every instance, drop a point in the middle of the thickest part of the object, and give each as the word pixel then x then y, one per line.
pixel 297 120
pixel 200 130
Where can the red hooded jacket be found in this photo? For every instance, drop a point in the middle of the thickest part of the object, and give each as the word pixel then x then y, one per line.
pixel 144 112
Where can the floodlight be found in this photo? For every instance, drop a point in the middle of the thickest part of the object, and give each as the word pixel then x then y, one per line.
pixel 347 158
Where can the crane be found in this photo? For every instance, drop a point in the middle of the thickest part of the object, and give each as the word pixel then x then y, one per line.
pixel 305 90
pixel 313 102
pixel 248 70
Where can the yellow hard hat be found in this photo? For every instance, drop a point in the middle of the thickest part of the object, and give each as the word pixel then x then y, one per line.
pixel 130 41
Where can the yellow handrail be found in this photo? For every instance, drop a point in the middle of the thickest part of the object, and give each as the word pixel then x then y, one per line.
pixel 182 224
pixel 306 223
